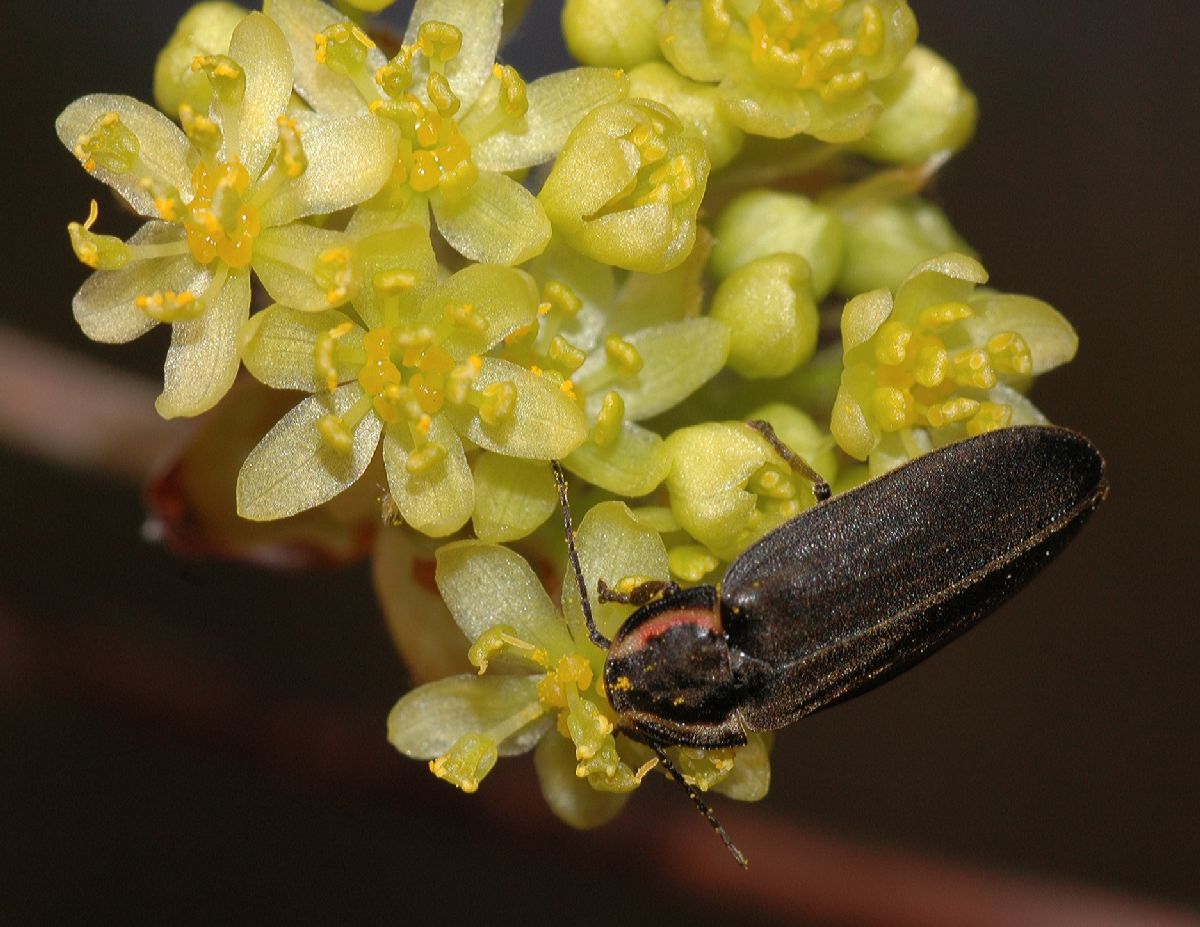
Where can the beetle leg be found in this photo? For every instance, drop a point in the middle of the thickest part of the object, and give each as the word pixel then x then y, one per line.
pixel 700 804
pixel 798 463
pixel 593 632
pixel 639 595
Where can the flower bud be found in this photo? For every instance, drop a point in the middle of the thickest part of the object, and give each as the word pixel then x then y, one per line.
pixel 204 30
pixel 772 318
pixel 884 241
pixel 926 110
pixel 764 222
pixel 612 33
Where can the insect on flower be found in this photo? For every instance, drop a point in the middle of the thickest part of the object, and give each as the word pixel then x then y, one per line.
pixel 845 595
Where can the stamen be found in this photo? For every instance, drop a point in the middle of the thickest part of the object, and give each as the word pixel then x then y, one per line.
pixel 109 144
pixel 100 252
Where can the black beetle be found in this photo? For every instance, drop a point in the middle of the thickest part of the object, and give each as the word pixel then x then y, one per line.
pixel 849 593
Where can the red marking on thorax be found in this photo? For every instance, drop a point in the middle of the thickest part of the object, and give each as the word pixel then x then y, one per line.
pixel 661 624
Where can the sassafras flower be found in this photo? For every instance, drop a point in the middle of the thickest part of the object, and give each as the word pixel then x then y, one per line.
pixel 223 197
pixel 790 67
pixel 548 693
pixel 405 367
pixel 464 120
pixel 940 361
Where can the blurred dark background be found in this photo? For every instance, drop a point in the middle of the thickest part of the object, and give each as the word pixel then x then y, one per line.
pixel 203 742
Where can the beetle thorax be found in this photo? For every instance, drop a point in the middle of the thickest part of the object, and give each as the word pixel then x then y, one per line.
pixel 668 675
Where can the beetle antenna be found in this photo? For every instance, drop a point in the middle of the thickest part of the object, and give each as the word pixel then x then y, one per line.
pixel 700 804
pixel 798 463
pixel 593 632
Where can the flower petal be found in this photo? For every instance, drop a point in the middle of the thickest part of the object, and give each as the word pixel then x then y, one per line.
pixel 405 247
pixel 556 104
pixel 678 358
pixel 258 45
pixel 950 277
pixel 632 466
pixel 750 778
pixel 683 42
pixel 203 358
pixel 502 297
pixel 512 496
pixel 285 259
pixel 485 585
pixel 279 347
pixel 426 722
pixel 324 90
pixel 294 467
pixel 589 281
pixel 545 423
pixel 438 500
pixel 479 21
pixel 651 299
pixel 427 638
pixel 162 146
pixel 862 317
pixel 104 307
pixel 348 161
pixel 192 499
pixel 612 545
pixel 1051 338
pixel 497 221
pixel 571 798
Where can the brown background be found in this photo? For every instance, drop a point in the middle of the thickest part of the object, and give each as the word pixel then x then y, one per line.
pixel 174 746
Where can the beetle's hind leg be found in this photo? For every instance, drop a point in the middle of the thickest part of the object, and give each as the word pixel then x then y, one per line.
pixel 820 488
pixel 639 594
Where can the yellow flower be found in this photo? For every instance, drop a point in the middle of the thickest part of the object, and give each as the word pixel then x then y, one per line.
pixel 940 361
pixel 790 67
pixel 223 197
pixel 464 121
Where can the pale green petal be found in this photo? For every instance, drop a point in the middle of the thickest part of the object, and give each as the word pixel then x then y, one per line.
pixel 633 465
pixel 504 298
pixel 164 149
pixel 862 317
pixel 258 45
pixel 429 642
pixel 328 92
pixel 591 282
pixel 485 585
pixel 612 545
pixel 405 247
pixel 1051 339
pixel 348 161
pixel 480 22
pixel 104 306
pixel 426 722
pixel 438 500
pixel 679 358
pixel 279 347
pixel 571 798
pixel 556 104
pixel 545 424
pixel 683 43
pixel 497 221
pixel 1024 411
pixel 512 496
pixel 761 109
pixel 950 277
pixel 851 429
pixel 750 778
pixel 651 299
pixel 203 358
pixel 284 260
pixel 295 468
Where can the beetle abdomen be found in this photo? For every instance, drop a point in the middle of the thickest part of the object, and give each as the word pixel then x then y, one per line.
pixel 863 586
